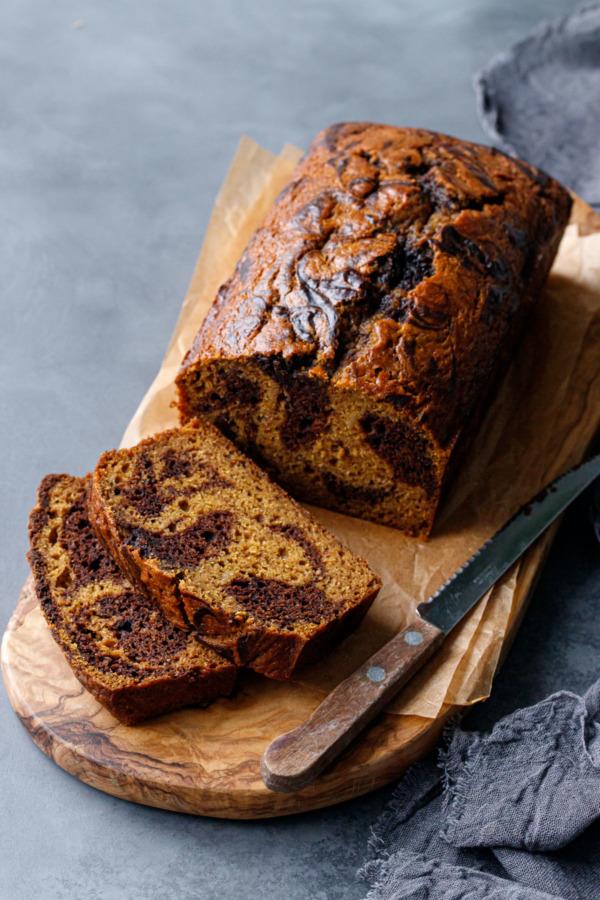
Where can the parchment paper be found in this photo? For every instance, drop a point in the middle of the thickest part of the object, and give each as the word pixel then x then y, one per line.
pixel 541 422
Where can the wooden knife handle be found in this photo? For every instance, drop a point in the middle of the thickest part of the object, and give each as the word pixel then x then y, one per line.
pixel 294 759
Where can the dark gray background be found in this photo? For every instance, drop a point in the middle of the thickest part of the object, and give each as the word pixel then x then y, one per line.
pixel 115 138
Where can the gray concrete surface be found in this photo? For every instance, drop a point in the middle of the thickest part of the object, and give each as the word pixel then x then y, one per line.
pixel 118 121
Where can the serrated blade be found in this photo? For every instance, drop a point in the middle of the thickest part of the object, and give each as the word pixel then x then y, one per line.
pixel 460 593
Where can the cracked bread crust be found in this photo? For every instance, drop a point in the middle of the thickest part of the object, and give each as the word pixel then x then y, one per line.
pixel 119 646
pixel 224 552
pixel 371 313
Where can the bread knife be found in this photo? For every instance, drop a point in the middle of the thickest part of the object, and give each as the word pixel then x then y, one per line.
pixel 294 759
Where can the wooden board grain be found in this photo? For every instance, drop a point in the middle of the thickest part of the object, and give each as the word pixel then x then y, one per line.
pixel 195 761
pixel 207 761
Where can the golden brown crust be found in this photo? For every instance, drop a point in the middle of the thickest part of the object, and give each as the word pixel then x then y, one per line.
pixel 224 552
pixel 122 649
pixel 397 266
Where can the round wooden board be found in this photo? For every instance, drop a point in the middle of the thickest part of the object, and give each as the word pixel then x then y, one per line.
pixel 203 761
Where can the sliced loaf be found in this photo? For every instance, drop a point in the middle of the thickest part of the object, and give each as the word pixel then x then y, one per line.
pixel 120 646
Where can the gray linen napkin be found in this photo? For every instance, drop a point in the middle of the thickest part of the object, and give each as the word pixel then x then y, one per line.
pixel 467 828
pixel 533 783
pixel 541 101
pixel 516 813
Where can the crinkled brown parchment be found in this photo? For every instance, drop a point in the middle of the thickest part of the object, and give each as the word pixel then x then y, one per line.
pixel 541 422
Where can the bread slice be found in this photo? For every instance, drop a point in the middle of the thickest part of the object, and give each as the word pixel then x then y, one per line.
pixel 120 646
pixel 225 552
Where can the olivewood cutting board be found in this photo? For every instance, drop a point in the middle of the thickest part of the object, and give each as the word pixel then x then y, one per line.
pixel 207 761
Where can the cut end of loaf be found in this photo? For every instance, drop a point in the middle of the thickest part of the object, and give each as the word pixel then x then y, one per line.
pixel 336 449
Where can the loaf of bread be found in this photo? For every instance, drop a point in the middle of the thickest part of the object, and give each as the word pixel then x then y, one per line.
pixel 120 647
pixel 222 550
pixel 371 314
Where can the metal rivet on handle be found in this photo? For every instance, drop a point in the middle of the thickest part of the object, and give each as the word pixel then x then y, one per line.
pixel 376 673
pixel 413 637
